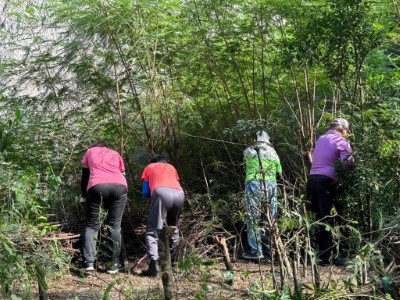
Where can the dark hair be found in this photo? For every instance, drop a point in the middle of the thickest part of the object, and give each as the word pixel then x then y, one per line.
pixel 99 144
pixel 158 158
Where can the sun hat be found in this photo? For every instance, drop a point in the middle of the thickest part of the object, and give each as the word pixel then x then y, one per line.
pixel 340 122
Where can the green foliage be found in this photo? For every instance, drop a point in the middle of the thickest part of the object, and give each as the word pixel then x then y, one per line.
pixel 373 186
pixel 25 256
pixel 194 79
pixel 7 133
pixel 245 130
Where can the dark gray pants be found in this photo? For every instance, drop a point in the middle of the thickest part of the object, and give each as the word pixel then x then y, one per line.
pixel 165 205
pixel 114 198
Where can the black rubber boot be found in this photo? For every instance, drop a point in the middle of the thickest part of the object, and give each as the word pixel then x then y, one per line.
pixel 174 257
pixel 153 270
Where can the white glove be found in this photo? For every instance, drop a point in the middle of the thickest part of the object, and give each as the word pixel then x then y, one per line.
pixel 83 200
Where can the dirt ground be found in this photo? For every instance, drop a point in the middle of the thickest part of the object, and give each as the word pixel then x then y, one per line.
pixel 201 282
pixel 203 279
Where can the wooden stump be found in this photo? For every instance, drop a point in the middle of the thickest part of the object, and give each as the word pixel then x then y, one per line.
pixel 165 261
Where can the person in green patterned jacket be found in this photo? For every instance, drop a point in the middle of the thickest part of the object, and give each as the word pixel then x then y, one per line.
pixel 262 168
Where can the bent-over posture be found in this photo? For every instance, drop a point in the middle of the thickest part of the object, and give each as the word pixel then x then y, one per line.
pixel 103 183
pixel 161 184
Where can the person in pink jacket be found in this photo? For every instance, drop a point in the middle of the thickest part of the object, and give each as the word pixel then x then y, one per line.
pixel 103 183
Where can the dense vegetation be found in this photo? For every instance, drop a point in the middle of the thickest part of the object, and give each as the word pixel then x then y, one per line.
pixel 195 80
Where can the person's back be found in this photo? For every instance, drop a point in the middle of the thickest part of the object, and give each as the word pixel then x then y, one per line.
pixel 262 166
pixel 161 185
pixel 262 162
pixel 322 191
pixel 329 149
pixel 103 184
pixel 161 174
pixel 105 166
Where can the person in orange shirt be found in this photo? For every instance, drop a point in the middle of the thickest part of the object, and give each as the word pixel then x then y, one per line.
pixel 160 183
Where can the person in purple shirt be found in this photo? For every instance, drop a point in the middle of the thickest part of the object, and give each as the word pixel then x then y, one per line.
pixel 332 151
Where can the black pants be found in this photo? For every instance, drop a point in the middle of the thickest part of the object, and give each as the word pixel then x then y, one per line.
pixel 322 193
pixel 114 198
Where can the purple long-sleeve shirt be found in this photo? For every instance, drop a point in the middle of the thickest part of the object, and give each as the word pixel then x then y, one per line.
pixel 330 148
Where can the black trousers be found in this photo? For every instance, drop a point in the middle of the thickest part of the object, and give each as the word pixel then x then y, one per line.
pixel 322 192
pixel 114 198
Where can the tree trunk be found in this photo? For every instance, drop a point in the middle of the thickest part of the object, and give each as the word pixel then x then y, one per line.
pixel 165 261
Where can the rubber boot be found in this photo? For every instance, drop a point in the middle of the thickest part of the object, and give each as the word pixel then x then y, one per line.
pixel 153 270
pixel 174 257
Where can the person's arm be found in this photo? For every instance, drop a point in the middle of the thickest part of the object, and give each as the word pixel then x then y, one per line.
pixel 84 180
pixel 146 189
pixel 279 177
pixel 278 170
pixel 121 165
pixel 346 156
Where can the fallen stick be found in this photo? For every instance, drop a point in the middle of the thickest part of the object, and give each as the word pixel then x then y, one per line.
pixel 221 242
pixel 57 238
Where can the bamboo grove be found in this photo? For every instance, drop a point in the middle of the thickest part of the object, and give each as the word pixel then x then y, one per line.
pixel 195 80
